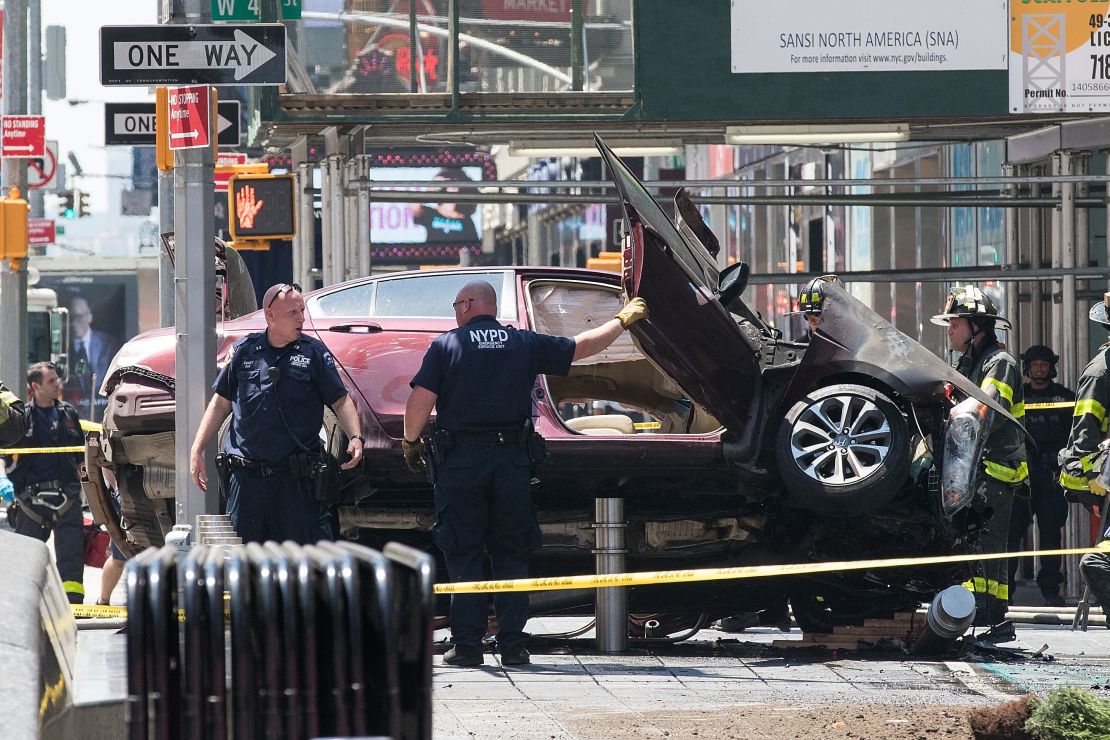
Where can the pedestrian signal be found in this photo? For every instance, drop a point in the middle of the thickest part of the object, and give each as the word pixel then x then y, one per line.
pixel 13 226
pixel 261 206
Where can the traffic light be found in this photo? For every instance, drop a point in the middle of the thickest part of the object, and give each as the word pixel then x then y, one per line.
pixel 13 226
pixel 67 205
pixel 82 203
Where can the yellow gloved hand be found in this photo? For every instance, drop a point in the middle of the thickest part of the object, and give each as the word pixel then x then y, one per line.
pixel 414 455
pixel 632 312
pixel 1096 486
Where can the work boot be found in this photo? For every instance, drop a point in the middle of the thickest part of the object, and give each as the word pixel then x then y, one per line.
pixel 519 656
pixel 464 658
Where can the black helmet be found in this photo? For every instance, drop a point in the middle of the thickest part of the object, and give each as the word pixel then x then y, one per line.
pixel 968 302
pixel 812 298
pixel 1100 312
pixel 1039 352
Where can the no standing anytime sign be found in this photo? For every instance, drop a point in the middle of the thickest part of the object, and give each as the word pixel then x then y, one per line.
pixel 23 136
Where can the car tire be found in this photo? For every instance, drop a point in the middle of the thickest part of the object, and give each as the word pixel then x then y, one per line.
pixel 843 449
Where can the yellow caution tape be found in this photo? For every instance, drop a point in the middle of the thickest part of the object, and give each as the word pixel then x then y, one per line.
pixel 86 426
pixel 1050 405
pixel 647 578
pixel 42 450
pixel 648 425
pixel 98 611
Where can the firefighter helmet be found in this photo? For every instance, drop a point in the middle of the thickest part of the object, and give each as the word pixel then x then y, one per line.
pixel 812 298
pixel 1100 312
pixel 1039 352
pixel 971 303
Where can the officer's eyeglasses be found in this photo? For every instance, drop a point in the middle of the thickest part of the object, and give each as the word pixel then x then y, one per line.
pixel 282 291
pixel 461 300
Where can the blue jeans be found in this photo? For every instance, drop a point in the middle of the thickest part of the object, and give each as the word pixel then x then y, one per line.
pixel 276 507
pixel 484 514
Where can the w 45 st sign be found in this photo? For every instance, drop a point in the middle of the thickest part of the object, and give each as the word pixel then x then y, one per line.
pixel 248 10
pixel 252 54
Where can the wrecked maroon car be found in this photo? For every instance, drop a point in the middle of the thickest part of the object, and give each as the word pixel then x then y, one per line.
pixel 729 445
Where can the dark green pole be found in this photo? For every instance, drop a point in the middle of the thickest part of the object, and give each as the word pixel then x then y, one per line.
pixel 577 48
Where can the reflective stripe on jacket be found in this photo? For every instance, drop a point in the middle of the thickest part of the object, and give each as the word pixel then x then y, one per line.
pixel 996 371
pixel 1081 459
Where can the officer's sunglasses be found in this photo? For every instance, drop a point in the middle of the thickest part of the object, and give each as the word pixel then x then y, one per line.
pixel 461 300
pixel 282 291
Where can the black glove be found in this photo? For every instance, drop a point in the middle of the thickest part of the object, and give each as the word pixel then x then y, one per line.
pixel 1086 499
pixel 414 455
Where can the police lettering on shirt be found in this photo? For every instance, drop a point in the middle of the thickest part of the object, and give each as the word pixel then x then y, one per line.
pixel 489 338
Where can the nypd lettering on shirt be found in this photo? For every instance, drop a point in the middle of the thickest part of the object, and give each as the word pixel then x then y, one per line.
pixel 489 338
pixel 299 361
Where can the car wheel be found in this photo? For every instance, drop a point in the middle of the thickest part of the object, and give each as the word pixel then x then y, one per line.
pixel 843 449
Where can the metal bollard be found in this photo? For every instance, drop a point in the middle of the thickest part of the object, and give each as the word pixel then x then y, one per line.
pixel 948 618
pixel 611 611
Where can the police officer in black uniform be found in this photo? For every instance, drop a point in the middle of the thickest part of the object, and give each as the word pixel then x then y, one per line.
pixel 275 387
pixel 1048 412
pixel 479 379
pixel 47 487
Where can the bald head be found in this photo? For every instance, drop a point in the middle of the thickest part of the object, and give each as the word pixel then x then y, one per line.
pixel 477 298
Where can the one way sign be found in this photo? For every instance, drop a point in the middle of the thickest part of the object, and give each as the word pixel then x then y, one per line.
pixel 251 54
pixel 132 124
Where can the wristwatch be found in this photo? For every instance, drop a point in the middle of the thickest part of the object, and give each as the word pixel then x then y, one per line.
pixel 358 437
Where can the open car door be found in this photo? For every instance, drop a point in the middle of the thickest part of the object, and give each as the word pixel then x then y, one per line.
pixel 689 335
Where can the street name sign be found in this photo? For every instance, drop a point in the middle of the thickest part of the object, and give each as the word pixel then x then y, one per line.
pixel 249 54
pixel 189 117
pixel 248 10
pixel 133 124
pixel 23 136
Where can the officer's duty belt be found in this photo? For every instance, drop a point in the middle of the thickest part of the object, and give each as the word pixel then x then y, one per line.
pixel 487 436
pixel 262 466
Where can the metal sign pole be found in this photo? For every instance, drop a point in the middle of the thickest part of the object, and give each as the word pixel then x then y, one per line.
pixel 172 15
pixel 195 298
pixel 13 273
pixel 34 102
